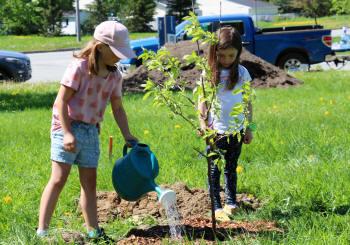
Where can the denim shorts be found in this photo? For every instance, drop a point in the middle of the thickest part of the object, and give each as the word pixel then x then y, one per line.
pixel 87 146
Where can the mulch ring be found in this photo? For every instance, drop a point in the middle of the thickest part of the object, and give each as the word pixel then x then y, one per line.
pixel 194 211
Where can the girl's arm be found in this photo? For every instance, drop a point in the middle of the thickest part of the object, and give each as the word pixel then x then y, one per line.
pixel 121 118
pixel 202 116
pixel 64 95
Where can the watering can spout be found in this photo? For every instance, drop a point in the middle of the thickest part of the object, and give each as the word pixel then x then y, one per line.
pixel 165 196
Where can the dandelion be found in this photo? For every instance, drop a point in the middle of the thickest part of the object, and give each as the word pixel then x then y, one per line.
pixel 177 126
pixel 239 169
pixel 145 132
pixel 7 199
pixel 274 107
pixel 327 113
pixel 332 102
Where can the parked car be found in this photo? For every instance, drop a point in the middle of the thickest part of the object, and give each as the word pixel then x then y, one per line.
pixel 14 66
pixel 286 47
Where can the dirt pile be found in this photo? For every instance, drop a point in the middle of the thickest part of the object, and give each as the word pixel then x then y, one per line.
pixel 263 73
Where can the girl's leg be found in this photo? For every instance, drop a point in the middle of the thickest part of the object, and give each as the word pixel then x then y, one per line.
pixel 215 180
pixel 59 174
pixel 231 157
pixel 88 196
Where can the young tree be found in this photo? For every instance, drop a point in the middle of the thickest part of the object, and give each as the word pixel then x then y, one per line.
pixel 138 14
pixel 179 8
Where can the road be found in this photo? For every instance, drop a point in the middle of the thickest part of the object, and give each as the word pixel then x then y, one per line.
pixel 50 66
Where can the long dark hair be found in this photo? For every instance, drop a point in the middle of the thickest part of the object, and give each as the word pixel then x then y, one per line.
pixel 229 37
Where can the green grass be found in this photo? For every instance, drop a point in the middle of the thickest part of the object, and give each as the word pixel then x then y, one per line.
pixel 298 163
pixel 329 22
pixel 41 43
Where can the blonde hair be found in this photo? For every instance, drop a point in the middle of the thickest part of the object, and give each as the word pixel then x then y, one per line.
pixel 91 54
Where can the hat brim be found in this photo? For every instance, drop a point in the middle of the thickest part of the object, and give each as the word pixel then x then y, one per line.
pixel 123 53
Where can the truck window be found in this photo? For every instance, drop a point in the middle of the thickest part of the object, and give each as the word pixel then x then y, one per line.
pixel 213 26
pixel 236 24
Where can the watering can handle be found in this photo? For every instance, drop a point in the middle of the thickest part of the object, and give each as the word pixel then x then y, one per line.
pixel 125 148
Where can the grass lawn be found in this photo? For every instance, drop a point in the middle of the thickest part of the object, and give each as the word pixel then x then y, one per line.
pixel 329 22
pixel 298 163
pixel 35 43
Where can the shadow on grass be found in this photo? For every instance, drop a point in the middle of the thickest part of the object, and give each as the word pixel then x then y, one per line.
pixel 15 102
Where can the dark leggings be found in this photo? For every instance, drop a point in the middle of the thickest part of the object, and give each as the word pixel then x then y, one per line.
pixel 230 149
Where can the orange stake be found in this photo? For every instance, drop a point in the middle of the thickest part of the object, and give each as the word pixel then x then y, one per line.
pixel 110 149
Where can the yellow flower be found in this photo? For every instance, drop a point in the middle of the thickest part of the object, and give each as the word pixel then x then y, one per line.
pixel 68 214
pixel 332 102
pixel 145 132
pixel 321 99
pixel 327 113
pixel 274 107
pixel 7 199
pixel 239 169
pixel 177 126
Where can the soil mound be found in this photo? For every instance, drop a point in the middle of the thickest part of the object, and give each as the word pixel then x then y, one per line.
pixel 264 74
pixel 194 210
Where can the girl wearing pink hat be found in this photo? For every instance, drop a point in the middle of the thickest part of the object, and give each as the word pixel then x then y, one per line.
pixel 89 83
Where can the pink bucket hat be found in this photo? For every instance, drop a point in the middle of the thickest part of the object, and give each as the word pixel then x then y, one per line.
pixel 116 36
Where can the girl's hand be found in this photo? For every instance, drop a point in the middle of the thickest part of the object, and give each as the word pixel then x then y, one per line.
pixel 69 142
pixel 248 137
pixel 128 138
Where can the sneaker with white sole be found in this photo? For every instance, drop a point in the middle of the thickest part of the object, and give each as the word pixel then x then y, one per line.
pixel 230 209
pixel 221 216
pixel 42 233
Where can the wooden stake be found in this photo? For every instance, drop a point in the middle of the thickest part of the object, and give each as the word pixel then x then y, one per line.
pixel 110 147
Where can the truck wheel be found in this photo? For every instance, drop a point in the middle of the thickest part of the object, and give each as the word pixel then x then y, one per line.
pixel 293 62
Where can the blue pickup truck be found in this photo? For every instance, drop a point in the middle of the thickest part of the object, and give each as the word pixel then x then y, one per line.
pixel 287 47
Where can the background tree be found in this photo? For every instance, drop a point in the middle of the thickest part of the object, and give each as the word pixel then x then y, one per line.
pixel 313 8
pixel 138 14
pixel 100 10
pixel 285 6
pixel 341 6
pixel 51 13
pixel 179 8
pixel 18 17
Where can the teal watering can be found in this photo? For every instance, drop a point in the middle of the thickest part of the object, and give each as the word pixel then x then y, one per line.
pixel 133 175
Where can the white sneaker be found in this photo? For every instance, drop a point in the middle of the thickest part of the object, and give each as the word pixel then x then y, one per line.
pixel 230 209
pixel 42 233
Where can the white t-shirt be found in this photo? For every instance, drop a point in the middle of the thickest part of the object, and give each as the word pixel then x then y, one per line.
pixel 223 122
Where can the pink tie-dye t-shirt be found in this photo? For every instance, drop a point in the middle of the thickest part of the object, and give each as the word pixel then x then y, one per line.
pixel 92 93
